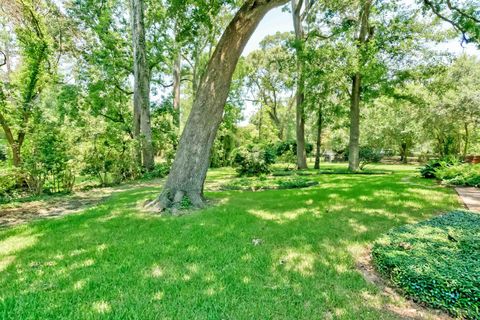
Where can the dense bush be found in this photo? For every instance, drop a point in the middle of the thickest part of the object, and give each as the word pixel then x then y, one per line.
pixel 47 164
pixel 369 155
pixel 3 153
pixel 254 160
pixel 428 171
pixel 9 178
pixel 366 155
pixel 165 129
pixel 291 146
pixel 111 161
pixel 435 262
pixel 461 174
pixel 451 171
pixel 160 170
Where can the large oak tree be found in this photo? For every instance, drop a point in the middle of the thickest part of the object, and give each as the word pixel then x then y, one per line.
pixel 189 169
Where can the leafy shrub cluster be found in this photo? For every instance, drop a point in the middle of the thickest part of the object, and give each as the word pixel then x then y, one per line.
pixel 286 151
pixel 367 155
pixel 291 146
pixel 111 161
pixel 3 153
pixel 160 170
pixel 451 171
pixel 47 164
pixel 428 171
pixel 462 174
pixel 8 184
pixel 254 160
pixel 435 262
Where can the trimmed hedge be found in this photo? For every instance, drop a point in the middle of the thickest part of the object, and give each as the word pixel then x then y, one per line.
pixel 435 262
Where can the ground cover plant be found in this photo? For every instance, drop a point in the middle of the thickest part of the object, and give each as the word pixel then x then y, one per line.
pixel 269 183
pixel 275 254
pixel 436 262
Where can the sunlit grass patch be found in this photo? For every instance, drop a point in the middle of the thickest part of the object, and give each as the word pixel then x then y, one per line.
pixel 275 254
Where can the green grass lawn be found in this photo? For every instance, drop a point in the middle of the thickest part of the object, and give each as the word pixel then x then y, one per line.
pixel 115 262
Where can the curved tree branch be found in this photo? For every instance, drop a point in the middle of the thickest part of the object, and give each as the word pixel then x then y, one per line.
pixel 4 62
pixel 439 14
pixel 462 12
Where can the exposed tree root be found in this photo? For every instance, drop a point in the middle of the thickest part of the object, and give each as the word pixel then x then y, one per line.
pixel 171 201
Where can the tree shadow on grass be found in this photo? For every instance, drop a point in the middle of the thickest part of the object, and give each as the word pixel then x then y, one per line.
pixel 113 262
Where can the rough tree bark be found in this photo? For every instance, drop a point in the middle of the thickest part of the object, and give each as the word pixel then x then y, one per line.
pixel 300 94
pixel 354 142
pixel 176 87
pixel 319 138
pixel 364 35
pixel 189 169
pixel 141 88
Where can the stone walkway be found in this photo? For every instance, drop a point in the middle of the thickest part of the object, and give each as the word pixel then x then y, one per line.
pixel 470 197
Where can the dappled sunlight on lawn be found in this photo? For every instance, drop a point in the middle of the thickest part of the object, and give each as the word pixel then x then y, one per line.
pixel 268 254
pixel 17 243
pixel 279 217
pixel 101 307
pixel 13 245
pixel 295 260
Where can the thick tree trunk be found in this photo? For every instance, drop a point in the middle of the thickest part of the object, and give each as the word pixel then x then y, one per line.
pixel 300 92
pixel 319 138
pixel 190 166
pixel 364 36
pixel 141 95
pixel 354 144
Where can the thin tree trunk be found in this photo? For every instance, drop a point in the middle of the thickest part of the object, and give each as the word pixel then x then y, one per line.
pixel 403 153
pixel 176 87
pixel 191 163
pixel 300 92
pixel 466 140
pixel 16 157
pixel 354 144
pixel 141 95
pixel 319 138
pixel 364 36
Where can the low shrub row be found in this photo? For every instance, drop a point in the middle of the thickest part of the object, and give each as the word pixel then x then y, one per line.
pixel 264 183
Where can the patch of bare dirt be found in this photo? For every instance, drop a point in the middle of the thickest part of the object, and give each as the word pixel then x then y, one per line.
pixel 400 306
pixel 19 213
